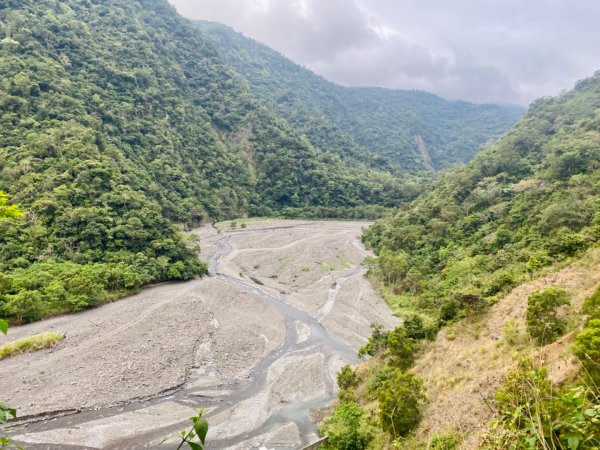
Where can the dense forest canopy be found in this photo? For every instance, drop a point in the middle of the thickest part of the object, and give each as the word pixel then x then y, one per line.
pixel 413 130
pixel 121 119
pixel 528 200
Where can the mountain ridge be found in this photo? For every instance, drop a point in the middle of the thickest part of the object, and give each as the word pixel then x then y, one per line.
pixel 367 117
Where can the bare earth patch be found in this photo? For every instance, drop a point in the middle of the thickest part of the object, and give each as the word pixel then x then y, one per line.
pixel 462 374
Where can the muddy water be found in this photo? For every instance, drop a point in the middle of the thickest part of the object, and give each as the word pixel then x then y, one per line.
pixel 172 408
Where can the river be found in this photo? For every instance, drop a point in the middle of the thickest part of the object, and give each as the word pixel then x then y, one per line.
pixel 257 344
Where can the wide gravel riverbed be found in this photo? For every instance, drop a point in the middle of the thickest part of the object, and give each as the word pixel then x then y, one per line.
pixel 257 343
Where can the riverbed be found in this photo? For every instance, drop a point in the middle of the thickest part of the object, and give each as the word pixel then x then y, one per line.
pixel 257 343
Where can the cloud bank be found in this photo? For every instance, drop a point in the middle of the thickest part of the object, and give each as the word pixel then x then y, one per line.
pixel 502 51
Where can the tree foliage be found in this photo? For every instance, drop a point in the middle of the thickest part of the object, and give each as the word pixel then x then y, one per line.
pixel 120 120
pixel 543 321
pixel 400 398
pixel 587 349
pixel 399 130
pixel 527 201
pixel 345 428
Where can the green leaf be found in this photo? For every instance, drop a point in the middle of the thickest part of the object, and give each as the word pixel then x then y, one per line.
pixel 195 446
pixel 201 428
pixel 3 326
pixel 590 412
pixel 573 442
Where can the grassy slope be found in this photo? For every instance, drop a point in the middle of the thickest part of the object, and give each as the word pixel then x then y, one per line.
pixel 462 373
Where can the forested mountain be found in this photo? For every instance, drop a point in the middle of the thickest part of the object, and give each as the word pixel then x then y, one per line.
pixel 527 201
pixel 119 119
pixel 415 130
pixel 509 363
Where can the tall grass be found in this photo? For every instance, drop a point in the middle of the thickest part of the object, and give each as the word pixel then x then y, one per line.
pixel 30 344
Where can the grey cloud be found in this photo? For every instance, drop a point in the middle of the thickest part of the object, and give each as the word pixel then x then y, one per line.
pixel 506 51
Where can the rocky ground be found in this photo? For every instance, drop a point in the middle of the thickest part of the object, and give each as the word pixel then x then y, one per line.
pixel 257 343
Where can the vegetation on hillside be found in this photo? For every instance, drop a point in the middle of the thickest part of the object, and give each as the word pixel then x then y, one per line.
pixel 120 119
pixel 527 201
pixel 382 402
pixel 393 129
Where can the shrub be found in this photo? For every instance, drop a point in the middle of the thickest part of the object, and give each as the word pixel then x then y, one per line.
pixel 448 312
pixel 587 349
pixel 445 441
pixel 414 327
pixel 591 305
pixel 543 322
pixel 346 378
pixel 377 341
pixel 537 260
pixel 344 428
pixel 401 348
pixel 400 398
pixel 536 415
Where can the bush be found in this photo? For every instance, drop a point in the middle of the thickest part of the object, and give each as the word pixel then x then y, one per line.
pixel 536 415
pixel 344 428
pixel 401 348
pixel 448 312
pixel 400 398
pixel 377 341
pixel 446 441
pixel 346 378
pixel 543 322
pixel 414 327
pixel 587 349
pixel 591 305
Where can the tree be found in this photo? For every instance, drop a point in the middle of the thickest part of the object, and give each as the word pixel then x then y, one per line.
pixel 377 341
pixel 414 327
pixel 344 428
pixel 543 321
pixel 346 377
pixel 8 211
pixel 400 398
pixel 401 348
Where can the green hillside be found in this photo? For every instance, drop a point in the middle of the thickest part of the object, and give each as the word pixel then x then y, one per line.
pixel 527 201
pixel 121 119
pixel 518 369
pixel 414 130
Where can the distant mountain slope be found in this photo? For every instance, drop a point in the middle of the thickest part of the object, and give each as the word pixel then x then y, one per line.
pixel 502 256
pixel 119 119
pixel 413 129
pixel 526 201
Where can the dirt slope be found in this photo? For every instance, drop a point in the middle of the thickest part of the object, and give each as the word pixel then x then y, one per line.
pixel 461 374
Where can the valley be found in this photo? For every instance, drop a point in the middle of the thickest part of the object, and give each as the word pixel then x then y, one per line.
pixel 192 221
pixel 257 343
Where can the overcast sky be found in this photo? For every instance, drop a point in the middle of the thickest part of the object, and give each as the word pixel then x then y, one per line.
pixel 505 51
